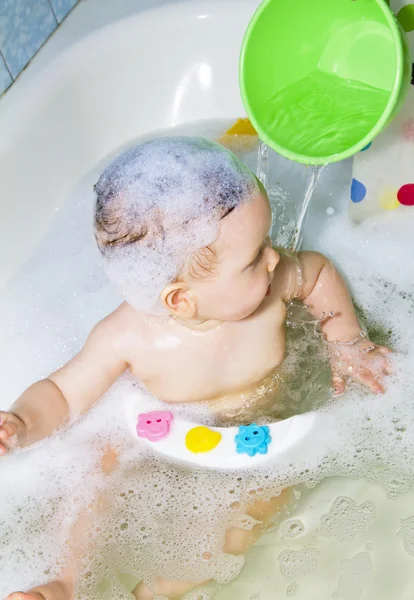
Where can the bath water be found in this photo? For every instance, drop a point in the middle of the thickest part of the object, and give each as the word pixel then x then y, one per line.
pixel 347 528
pixel 323 111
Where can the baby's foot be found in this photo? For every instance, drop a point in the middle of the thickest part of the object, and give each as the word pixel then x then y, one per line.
pixel 23 596
pixel 52 591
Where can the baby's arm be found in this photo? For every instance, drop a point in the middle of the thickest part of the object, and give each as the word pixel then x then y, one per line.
pixel 69 392
pixel 324 292
pixel 322 289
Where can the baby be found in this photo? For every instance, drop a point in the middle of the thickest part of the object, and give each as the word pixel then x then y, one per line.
pixel 183 227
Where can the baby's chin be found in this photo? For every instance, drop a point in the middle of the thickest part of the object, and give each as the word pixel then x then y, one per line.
pixel 249 312
pixel 239 313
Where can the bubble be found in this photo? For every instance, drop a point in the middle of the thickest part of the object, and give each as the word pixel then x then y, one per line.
pixel 358 570
pixel 291 589
pixel 298 562
pixel 346 519
pixel 406 532
pixel 200 594
pixel 292 528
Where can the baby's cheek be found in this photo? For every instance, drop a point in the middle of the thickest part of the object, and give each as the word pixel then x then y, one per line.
pixel 252 297
pixel 259 285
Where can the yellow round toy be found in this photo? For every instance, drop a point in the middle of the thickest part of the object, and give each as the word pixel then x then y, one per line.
pixel 202 439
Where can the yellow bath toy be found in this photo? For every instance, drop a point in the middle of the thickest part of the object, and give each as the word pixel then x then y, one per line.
pixel 240 137
pixel 241 127
pixel 388 199
pixel 202 439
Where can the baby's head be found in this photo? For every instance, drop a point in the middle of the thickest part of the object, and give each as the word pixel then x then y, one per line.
pixel 183 225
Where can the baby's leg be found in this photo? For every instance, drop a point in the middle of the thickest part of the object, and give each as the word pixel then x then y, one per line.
pixel 237 541
pixel 64 589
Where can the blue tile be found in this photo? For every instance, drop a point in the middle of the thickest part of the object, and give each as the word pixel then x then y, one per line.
pixel 24 26
pixel 5 79
pixel 62 7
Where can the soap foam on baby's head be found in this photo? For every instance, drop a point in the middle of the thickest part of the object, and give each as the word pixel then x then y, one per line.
pixel 160 202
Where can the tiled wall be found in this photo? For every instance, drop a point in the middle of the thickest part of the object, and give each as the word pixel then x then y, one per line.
pixel 24 27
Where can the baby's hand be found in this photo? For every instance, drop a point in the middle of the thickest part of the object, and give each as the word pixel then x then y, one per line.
pixel 12 431
pixel 360 360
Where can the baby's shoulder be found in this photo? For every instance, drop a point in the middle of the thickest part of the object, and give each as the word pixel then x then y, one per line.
pixel 122 328
pixel 133 338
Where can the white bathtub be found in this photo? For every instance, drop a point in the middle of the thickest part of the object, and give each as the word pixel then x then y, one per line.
pixel 74 105
pixel 110 74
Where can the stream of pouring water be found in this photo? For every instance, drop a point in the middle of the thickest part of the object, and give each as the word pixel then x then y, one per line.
pixel 262 172
pixel 315 173
pixel 262 169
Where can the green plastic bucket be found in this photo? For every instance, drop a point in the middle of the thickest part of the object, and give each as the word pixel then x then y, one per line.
pixel 321 78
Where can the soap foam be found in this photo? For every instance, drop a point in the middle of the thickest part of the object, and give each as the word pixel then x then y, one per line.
pixel 357 572
pixel 293 563
pixel 346 519
pixel 158 203
pixel 156 518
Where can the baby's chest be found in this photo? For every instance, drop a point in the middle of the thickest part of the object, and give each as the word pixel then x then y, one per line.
pixel 253 352
pixel 204 367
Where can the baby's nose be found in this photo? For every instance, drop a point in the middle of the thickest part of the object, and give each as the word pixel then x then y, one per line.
pixel 272 260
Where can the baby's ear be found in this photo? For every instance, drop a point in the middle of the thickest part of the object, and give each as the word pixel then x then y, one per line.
pixel 179 301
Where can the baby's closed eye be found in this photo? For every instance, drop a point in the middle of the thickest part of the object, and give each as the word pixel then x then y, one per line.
pixel 257 259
